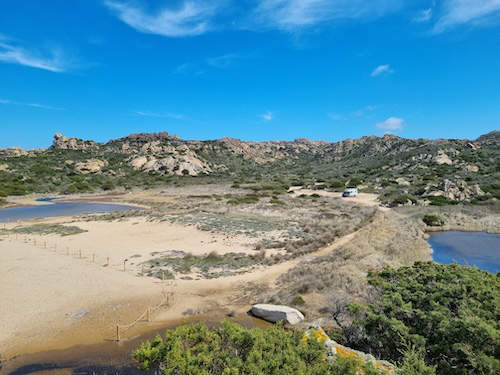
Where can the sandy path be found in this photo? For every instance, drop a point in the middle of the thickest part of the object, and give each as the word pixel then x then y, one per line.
pixel 363 199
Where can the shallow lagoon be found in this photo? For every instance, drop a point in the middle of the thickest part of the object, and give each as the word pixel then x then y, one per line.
pixel 57 209
pixel 477 249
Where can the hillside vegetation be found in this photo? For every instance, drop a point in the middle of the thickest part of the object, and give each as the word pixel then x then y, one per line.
pixel 403 171
pixel 450 312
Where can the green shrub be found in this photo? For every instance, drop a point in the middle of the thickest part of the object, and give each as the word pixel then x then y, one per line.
pixel 245 199
pixel 493 190
pixel 298 301
pixel 233 350
pixel 448 311
pixel 403 199
pixel 413 363
pixel 433 220
pixel 441 201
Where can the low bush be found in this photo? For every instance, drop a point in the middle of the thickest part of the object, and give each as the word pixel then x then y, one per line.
pixel 433 220
pixel 232 350
pixel 441 201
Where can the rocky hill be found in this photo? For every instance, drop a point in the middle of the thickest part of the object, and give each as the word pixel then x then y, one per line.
pixel 404 171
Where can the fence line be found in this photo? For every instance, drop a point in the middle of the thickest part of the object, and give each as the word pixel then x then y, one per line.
pixel 146 316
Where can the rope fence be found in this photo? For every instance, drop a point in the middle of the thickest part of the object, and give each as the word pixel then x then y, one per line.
pixel 79 254
pixel 146 316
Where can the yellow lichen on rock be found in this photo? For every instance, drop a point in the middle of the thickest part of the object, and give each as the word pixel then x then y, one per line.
pixel 335 350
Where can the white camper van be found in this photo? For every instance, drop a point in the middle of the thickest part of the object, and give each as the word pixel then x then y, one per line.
pixel 350 192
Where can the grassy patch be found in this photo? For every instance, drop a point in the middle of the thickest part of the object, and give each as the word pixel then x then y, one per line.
pixel 209 265
pixel 44 229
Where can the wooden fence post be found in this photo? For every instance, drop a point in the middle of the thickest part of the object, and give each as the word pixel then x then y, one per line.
pixel 107 261
pixel 149 313
pixel 117 332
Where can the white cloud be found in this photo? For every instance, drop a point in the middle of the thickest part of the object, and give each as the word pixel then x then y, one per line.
pixel 192 17
pixel 296 14
pixel 423 16
pixel 34 105
pixel 382 69
pixel 392 123
pixel 174 116
pixel 53 60
pixel 461 12
pixel 268 116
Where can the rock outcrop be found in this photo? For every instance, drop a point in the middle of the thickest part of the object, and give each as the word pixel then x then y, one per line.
pixel 64 143
pixel 457 190
pixel 277 313
pixel 90 166
pixel 334 350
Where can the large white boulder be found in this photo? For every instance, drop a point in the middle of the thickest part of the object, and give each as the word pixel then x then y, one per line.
pixel 277 313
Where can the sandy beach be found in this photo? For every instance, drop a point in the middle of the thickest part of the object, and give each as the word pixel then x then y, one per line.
pixel 55 287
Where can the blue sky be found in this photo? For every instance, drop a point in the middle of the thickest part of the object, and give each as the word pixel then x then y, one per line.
pixel 250 69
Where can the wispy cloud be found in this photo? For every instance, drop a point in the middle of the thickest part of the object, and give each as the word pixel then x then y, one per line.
pixel 365 110
pixel 470 12
pixel 392 123
pixel 222 61
pixel 423 16
pixel 267 116
pixel 382 69
pixel 201 67
pixel 52 60
pixel 188 69
pixel 33 105
pixel 295 14
pixel 174 116
pixel 335 116
pixel 192 17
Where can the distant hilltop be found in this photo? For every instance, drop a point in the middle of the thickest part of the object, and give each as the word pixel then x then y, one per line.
pixel 411 170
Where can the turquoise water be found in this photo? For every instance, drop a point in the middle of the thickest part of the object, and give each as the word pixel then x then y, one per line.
pixel 477 249
pixel 58 209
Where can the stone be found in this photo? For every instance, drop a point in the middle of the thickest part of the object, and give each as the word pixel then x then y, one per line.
pixel 90 166
pixel 334 350
pixel 442 158
pixel 472 168
pixel 277 313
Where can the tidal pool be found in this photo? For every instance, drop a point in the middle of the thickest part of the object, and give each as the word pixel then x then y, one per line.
pixel 477 249
pixel 58 209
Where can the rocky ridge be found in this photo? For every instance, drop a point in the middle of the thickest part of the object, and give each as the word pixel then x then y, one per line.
pixel 453 169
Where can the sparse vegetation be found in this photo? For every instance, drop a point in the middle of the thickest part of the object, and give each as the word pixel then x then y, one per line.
pixel 210 265
pixel 44 229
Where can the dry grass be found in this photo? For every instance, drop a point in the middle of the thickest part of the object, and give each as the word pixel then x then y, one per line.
pixel 387 240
